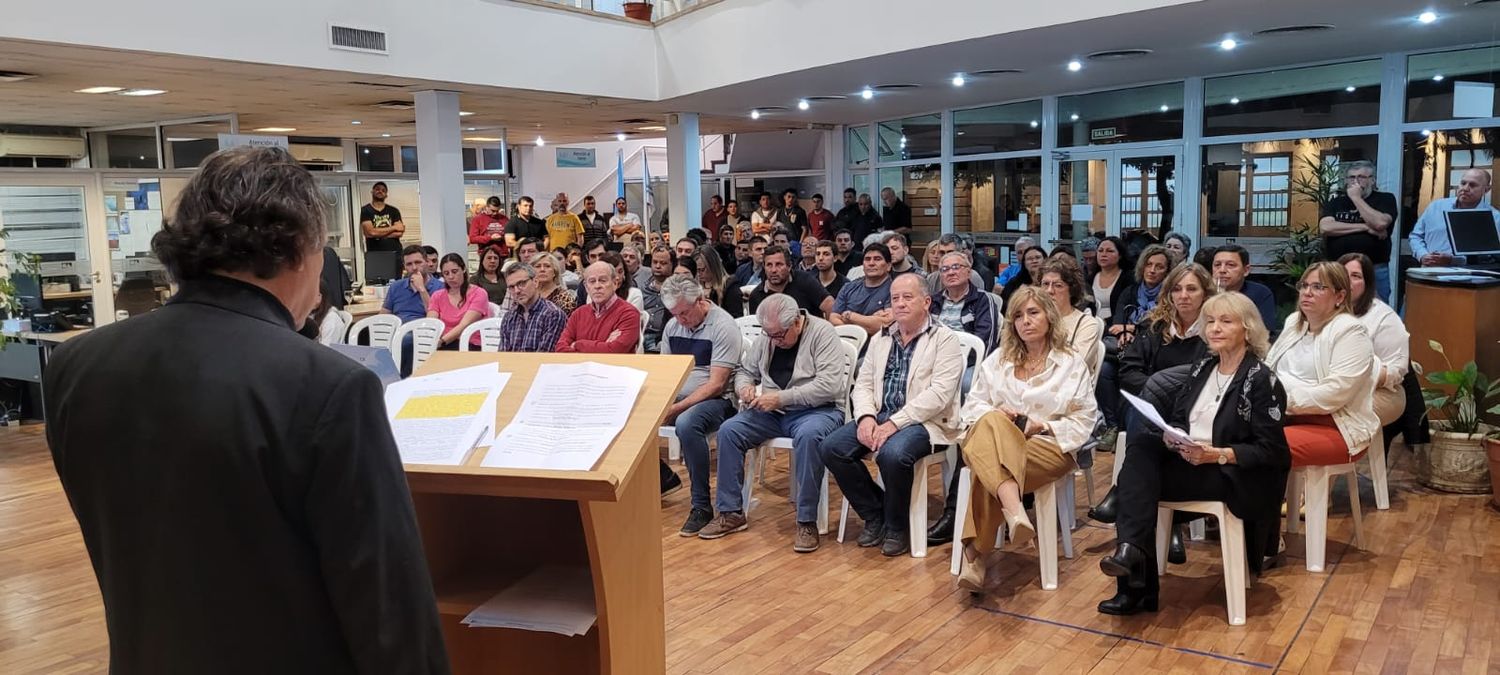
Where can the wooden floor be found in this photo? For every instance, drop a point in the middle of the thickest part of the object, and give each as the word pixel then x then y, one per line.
pixel 1422 595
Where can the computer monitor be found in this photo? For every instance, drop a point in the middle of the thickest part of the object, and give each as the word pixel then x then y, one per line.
pixel 382 266
pixel 1473 232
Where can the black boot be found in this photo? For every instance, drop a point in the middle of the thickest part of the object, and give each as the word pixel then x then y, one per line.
pixel 1128 603
pixel 1125 561
pixel 1105 511
pixel 1136 589
pixel 941 531
pixel 1176 552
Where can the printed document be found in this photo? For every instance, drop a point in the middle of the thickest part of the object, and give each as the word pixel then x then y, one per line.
pixel 571 415
pixel 1168 432
pixel 438 419
pixel 555 599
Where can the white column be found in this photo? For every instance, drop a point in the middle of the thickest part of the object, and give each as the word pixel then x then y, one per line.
pixel 945 175
pixel 1051 199
pixel 1388 155
pixel 440 171
pixel 1190 165
pixel 684 168
pixel 833 167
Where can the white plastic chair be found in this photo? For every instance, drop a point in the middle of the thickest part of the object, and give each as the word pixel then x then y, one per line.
pixel 1048 523
pixel 640 337
pixel 425 334
pixel 381 328
pixel 335 326
pixel 489 335
pixel 749 327
pixel 854 334
pixel 1378 473
pixel 1315 484
pixel 495 312
pixel 1231 547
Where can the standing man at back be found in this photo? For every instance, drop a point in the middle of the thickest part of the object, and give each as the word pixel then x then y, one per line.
pixel 563 228
pixel 381 222
pixel 237 484
pixel 1359 220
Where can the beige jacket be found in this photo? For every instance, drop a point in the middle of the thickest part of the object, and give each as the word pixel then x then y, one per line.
pixel 936 369
pixel 1346 374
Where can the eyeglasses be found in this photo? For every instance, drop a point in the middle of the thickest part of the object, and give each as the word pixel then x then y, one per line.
pixel 1361 178
pixel 953 268
pixel 776 336
pixel 1314 287
pixel 518 284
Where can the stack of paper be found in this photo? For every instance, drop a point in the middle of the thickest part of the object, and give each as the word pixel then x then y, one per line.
pixel 438 419
pixel 551 599
pixel 569 418
pixel 1168 432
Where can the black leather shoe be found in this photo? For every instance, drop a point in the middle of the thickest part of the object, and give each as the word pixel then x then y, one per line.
pixel 896 543
pixel 1176 552
pixel 872 535
pixel 1126 559
pixel 1105 511
pixel 941 531
pixel 1125 604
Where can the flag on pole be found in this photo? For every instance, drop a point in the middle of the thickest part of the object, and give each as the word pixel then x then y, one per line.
pixel 619 173
pixel 647 198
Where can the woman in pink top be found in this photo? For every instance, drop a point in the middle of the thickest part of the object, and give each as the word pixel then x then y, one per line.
pixel 458 304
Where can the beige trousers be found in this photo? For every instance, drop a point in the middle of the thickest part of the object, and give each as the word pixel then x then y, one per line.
pixel 996 451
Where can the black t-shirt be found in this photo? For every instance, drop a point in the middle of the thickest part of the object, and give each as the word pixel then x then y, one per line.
pixel 383 219
pixel 838 284
pixel 783 361
pixel 1342 209
pixel 533 227
pixel 803 287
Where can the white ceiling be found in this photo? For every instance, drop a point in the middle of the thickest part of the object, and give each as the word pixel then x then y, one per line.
pixel 323 103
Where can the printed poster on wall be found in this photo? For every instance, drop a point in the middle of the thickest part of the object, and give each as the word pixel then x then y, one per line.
pixel 575 158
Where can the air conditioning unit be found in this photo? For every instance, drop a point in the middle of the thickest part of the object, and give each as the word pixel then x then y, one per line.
pixel 317 154
pixel 16 145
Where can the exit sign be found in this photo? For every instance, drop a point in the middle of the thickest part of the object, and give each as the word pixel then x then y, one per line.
pixel 1102 134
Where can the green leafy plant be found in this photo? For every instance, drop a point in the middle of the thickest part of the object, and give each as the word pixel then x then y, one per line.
pixel 1460 407
pixel 1302 247
pixel 1318 180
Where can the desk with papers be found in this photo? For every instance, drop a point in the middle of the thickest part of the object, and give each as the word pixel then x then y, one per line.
pixel 495 534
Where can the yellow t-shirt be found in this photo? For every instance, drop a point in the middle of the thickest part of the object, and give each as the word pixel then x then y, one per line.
pixel 564 229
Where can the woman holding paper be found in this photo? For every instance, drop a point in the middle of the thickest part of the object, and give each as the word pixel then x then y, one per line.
pixel 1031 406
pixel 1231 407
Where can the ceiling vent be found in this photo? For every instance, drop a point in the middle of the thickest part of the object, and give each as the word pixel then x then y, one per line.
pixel 996 71
pixel 1295 30
pixel 387 85
pixel 636 120
pixel 13 76
pixel 396 104
pixel 826 97
pixel 893 87
pixel 357 39
pixel 1118 54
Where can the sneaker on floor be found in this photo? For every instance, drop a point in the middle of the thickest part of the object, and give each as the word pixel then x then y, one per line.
pixel 873 533
pixel 697 519
pixel 896 543
pixel 670 483
pixel 1107 439
pixel 806 540
pixel 727 523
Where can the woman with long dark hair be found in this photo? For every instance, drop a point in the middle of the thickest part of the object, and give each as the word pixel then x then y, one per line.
pixel 489 277
pixel 458 304
pixel 1031 272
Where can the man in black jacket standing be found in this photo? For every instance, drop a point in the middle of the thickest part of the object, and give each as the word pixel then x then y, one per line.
pixel 894 212
pixel 237 485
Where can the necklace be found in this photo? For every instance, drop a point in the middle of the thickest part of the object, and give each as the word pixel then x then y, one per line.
pixel 1220 387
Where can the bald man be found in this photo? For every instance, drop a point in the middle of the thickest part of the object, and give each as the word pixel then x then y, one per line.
pixel 608 324
pixel 1429 240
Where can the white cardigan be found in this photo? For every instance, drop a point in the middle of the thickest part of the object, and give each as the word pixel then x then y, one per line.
pixel 1392 359
pixel 1346 377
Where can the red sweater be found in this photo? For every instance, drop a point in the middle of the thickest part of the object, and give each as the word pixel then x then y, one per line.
pixel 588 333
pixel 481 226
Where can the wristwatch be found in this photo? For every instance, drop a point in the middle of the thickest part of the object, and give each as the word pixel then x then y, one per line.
pixel 1223 457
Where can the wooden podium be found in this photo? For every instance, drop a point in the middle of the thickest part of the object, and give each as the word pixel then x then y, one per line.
pixel 1464 318
pixel 484 529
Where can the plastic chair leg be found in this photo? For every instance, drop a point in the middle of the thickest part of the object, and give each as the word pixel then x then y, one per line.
pixel 1316 489
pixel 747 485
pixel 1114 478
pixel 965 492
pixel 1379 474
pixel 1046 534
pixel 1294 481
pixel 1354 510
pixel 916 517
pixel 674 449
pixel 1236 568
pixel 1163 536
pixel 1198 530
pixel 1067 513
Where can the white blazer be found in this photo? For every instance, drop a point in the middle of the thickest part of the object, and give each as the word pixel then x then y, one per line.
pixel 1346 377
pixel 1392 359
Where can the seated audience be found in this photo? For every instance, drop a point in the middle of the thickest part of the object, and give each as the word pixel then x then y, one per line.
pixel 905 400
pixel 846 255
pixel 1062 281
pixel 1030 273
pixel 825 265
pixel 726 246
pixel 458 304
pixel 951 243
pixel 959 304
pixel 548 273
pixel 1391 342
pixel 1231 406
pixel 1325 359
pixel 488 276
pixel 1031 407
pixel 592 252
pixel 1231 272
pixel 639 273
pixel 707 333
pixel 901 258
pixel 866 302
pixel 1090 263
pixel 533 323
pixel 1178 246
pixel 809 253
pixel 627 290
pixel 663 262
pixel 789 383
pixel 749 272
pixel 430 257
pixel 608 324
pixel 409 296
pixel 782 277
pixel 709 271
pixel 1011 270
pixel 686 246
pixel 528 248
pixel 1140 298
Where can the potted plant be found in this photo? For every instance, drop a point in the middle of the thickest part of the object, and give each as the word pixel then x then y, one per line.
pixel 1456 461
pixel 640 11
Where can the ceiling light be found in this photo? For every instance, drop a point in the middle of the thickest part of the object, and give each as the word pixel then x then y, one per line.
pixel 867 93
pixel 1228 44
pixel 1234 101
pixel 367 151
pixel 462 113
pixel 1073 117
pixel 171 139
pixel 1033 124
pixel 1426 133
pixel 485 139
pixel 1349 88
pixel 1164 107
pixel 15 76
pixel 1075 65
pixel 143 158
pixel 1437 78
pixel 355 122
pixel 754 114
pixel 142 92
pixel 471 128
pixel 958 80
pixel 99 90
pixel 657 127
pixel 382 136
pixel 803 104
pixel 540 142
pixel 1427 17
pixel 620 137
pixel 277 130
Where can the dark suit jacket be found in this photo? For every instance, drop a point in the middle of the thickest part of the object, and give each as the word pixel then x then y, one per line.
pixel 240 494
pixel 1150 352
pixel 335 278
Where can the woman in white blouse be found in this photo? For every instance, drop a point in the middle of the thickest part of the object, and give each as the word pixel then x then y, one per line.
pixel 1388 335
pixel 1324 359
pixel 1031 405
pixel 1063 282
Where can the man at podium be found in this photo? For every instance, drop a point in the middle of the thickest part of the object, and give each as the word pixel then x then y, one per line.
pixel 1430 243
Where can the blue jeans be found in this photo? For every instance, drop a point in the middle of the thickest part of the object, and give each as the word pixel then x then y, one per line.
pixel 842 453
pixel 693 427
pixel 1383 282
pixel 750 428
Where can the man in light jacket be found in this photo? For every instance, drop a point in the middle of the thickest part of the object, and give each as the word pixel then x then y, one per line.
pixel 789 384
pixel 905 399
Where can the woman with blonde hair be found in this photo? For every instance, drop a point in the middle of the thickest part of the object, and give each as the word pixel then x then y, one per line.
pixel 1031 406
pixel 1232 407
pixel 549 270
pixel 721 291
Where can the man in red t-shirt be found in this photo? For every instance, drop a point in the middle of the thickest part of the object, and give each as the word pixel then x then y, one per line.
pixel 820 220
pixel 714 217
pixel 487 227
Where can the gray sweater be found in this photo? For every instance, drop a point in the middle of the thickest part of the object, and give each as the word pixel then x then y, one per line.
pixel 817 375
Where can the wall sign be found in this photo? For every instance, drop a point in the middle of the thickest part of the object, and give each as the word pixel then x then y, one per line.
pixel 1102 134
pixel 575 158
pixel 237 140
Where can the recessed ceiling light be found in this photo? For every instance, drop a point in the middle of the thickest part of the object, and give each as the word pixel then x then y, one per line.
pixel 355 122
pixel 482 139
pixel 960 133
pixel 277 130
pixel 382 136
pixel 958 80
pixel 1228 44
pixel 620 137
pixel 367 151
pixel 655 127
pixel 99 90
pixel 1075 66
pixel 143 158
pixel 1073 117
pixel 867 93
pixel 803 104
pixel 754 114
pixel 1164 107
pixel 1426 133
pixel 1349 88
pixel 171 139
pixel 540 142
pixel 1427 17
pixel 463 113
pixel 1437 78
pixel 471 128
pixel 1034 124
pixel 142 92
pixel 1234 101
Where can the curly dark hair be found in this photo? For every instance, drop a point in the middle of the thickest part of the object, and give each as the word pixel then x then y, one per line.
pixel 245 209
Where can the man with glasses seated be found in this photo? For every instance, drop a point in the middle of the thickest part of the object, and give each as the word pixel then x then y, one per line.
pixel 532 324
pixel 906 397
pixel 1359 220
pixel 789 384
pixel 950 243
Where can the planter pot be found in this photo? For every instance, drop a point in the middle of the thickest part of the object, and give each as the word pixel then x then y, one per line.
pixel 1455 463
pixel 1492 449
pixel 638 10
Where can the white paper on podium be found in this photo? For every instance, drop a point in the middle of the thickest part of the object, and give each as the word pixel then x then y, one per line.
pixel 569 417
pixel 438 419
pixel 554 599
pixel 1168 432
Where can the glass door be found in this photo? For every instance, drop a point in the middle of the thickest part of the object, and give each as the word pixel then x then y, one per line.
pixel 134 206
pixel 49 263
pixel 1115 192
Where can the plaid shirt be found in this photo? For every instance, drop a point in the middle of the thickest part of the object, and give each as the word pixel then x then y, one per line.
pixel 898 369
pixel 532 330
